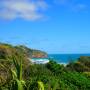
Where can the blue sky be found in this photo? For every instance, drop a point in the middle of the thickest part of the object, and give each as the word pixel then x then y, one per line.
pixel 55 26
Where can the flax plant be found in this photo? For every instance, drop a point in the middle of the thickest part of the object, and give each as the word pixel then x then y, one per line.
pixel 40 85
pixel 17 81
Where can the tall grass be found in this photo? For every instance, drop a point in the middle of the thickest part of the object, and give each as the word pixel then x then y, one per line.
pixel 17 82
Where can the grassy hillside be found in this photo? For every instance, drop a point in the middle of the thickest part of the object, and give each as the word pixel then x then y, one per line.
pixel 7 49
pixel 17 73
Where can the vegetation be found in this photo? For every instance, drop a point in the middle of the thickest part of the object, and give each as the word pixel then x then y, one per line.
pixel 18 73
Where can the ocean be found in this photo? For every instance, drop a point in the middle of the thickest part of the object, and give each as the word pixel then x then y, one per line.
pixel 65 58
pixel 59 58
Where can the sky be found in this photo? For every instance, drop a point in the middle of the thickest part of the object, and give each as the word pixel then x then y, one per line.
pixel 54 26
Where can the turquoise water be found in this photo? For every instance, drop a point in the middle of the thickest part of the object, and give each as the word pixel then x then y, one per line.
pixel 66 58
pixel 59 58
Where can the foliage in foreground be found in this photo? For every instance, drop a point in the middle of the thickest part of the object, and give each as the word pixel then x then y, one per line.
pixel 46 77
pixel 16 73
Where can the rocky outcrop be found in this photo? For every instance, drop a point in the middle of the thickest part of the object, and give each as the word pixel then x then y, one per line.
pixel 38 54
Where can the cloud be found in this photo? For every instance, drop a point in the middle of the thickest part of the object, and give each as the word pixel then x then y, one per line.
pixel 73 5
pixel 25 9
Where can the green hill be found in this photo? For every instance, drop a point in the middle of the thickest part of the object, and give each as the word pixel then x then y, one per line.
pixel 6 50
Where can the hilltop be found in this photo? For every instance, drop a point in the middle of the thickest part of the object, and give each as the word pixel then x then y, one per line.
pixel 6 51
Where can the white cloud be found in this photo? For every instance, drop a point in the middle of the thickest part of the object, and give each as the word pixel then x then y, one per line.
pixel 25 9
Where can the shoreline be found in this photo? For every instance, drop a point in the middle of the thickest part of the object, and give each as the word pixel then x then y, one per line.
pixel 44 61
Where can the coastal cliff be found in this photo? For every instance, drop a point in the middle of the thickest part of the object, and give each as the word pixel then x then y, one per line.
pixel 6 51
pixel 32 53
